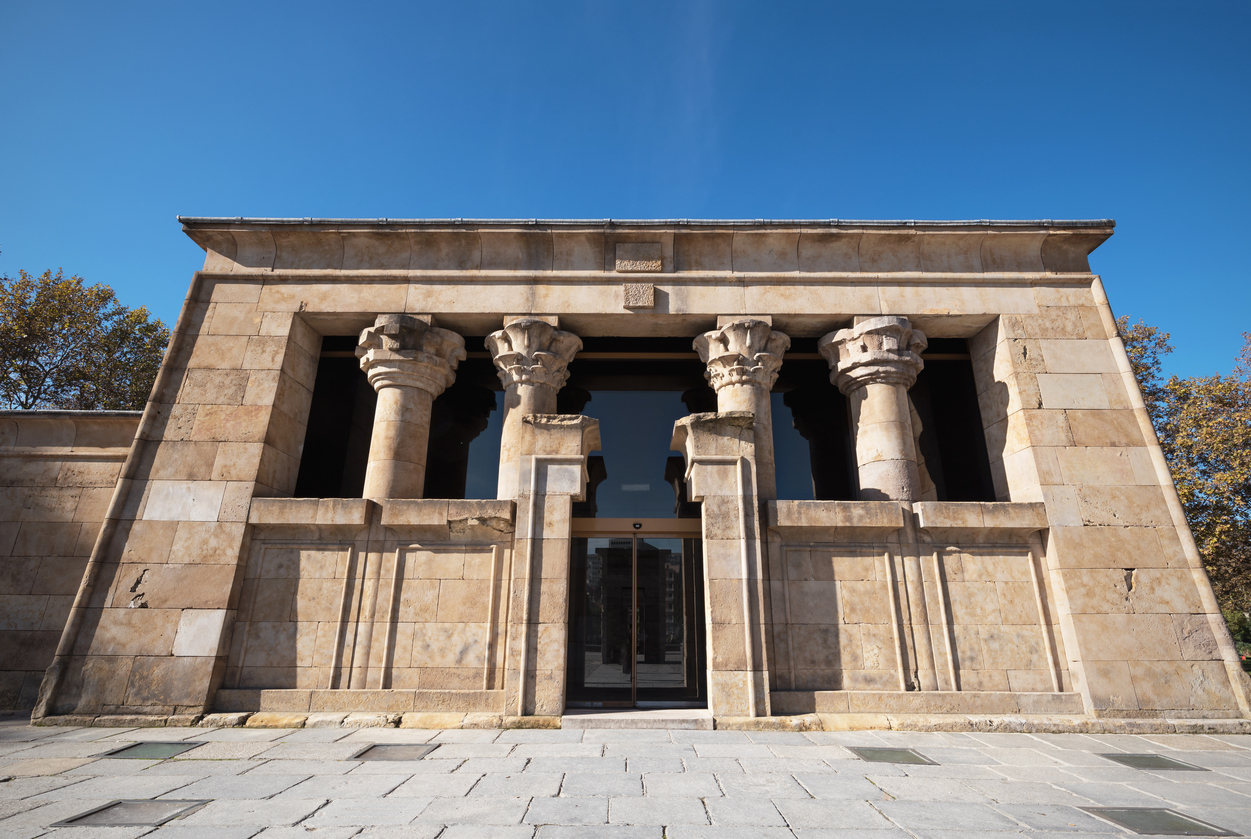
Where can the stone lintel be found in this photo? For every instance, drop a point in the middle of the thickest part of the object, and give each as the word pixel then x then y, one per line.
pixel 962 521
pixel 837 520
pixel 442 513
pixel 310 511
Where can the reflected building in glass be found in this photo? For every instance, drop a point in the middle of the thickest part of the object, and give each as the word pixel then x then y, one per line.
pixel 507 468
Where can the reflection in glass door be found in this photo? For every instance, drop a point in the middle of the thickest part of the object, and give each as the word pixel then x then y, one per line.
pixel 636 621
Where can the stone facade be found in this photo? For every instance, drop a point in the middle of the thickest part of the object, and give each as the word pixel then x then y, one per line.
pixel 58 470
pixel 1073 588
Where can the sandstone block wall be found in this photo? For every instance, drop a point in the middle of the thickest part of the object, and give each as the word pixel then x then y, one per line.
pixel 1079 590
pixel 57 473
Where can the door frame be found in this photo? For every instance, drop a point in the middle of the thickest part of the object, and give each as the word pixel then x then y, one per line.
pixel 643 528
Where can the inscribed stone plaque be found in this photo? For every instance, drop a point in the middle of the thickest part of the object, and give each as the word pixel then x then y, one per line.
pixel 639 295
pixel 639 257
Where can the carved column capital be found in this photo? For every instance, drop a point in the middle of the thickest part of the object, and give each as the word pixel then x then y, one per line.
pixel 533 352
pixel 404 351
pixel 745 352
pixel 880 350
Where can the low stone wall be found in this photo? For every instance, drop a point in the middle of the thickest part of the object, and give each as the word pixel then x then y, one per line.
pixel 347 605
pixel 57 473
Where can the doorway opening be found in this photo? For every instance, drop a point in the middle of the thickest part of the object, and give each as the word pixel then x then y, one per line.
pixel 636 615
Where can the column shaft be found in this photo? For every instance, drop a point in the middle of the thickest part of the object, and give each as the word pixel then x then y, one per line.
pixel 409 362
pixel 397 448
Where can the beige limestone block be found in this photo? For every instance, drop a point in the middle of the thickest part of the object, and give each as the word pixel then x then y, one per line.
pixel 233 319
pixel 231 423
pixel 1165 590
pixel 463 601
pixel 1072 390
pixel 1098 591
pixel 1108 547
pixel 927 298
pixel 449 645
pixel 1008 647
pixel 110 632
pixel 1113 637
pixel 1095 466
pixel 275 719
pixel 1123 505
pixel 1104 428
pixel 703 251
pixel 863 602
pixel 1194 634
pixel 214 387
pixel 513 250
pixel 1074 294
pixel 218 352
pixel 184 500
pixel 829 251
pixel 797 296
pixel 1200 685
pixel 1078 356
pixel 310 296
pixel 813 603
pixel 765 251
pixel 199 632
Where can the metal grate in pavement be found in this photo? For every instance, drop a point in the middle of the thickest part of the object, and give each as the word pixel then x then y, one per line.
pixel 395 751
pixel 1152 761
pixel 132 813
pixel 880 755
pixel 1157 821
pixel 152 751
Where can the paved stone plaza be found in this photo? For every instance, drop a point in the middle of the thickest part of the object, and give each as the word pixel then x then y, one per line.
pixel 280 783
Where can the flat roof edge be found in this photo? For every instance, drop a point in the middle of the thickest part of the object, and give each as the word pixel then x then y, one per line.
pixel 240 221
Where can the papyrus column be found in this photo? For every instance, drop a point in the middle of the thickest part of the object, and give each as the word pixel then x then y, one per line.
pixel 533 357
pixel 409 361
pixel 874 364
pixel 743 359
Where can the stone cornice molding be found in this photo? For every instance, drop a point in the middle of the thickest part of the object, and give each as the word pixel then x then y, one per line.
pixel 533 352
pixel 405 351
pixel 744 352
pixel 880 350
pixel 416 246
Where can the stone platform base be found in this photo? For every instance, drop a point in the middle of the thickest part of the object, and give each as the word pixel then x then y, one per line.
pixel 789 702
pixel 1038 724
pixel 668 718
pixel 348 701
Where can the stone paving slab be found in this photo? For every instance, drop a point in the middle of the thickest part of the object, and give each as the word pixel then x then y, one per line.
pixel 615 784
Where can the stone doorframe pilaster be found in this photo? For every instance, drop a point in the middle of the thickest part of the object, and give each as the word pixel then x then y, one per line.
pixel 552 475
pixel 721 472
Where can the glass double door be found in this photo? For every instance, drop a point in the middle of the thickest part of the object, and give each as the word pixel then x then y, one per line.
pixel 636 621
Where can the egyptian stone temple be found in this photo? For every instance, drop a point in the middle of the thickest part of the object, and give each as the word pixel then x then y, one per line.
pixel 511 470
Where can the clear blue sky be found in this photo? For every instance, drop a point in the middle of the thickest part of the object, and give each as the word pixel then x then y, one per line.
pixel 118 116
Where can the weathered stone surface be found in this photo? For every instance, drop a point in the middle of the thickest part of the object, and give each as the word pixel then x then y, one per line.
pixel 1073 599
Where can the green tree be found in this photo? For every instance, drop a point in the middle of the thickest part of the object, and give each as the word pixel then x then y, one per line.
pixel 65 344
pixel 1204 426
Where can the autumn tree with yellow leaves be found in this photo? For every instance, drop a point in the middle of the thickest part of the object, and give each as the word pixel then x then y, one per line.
pixel 65 344
pixel 1204 426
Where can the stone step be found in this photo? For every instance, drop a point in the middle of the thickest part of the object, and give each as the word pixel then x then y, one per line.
pixel 673 718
